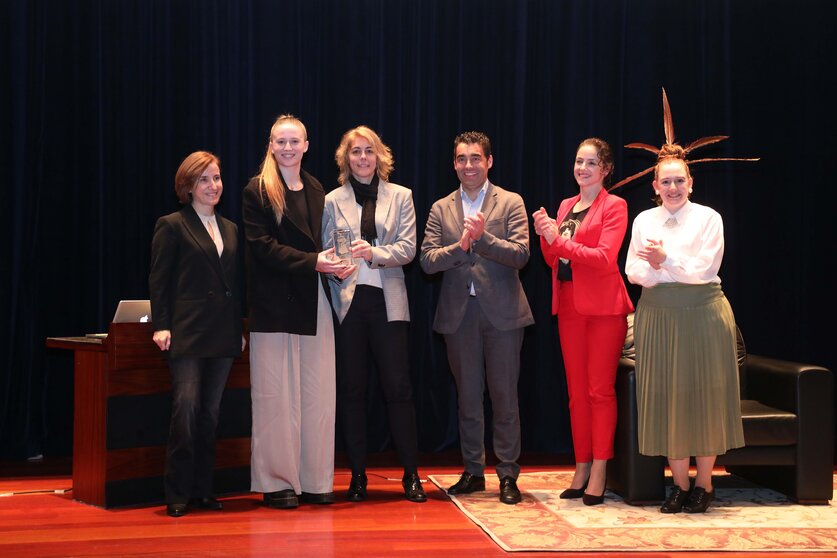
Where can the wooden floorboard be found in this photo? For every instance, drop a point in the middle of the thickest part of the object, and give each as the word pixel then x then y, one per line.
pixel 49 524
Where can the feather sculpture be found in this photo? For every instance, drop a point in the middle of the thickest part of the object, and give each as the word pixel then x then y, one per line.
pixel 668 128
pixel 668 123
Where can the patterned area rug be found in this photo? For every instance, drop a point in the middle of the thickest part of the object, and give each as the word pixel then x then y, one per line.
pixel 743 518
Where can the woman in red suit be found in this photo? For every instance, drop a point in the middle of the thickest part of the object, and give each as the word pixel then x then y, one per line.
pixel 589 298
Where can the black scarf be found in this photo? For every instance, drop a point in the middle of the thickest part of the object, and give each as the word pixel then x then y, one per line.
pixel 366 195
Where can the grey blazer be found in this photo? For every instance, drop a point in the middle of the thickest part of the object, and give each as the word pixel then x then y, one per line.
pixel 395 221
pixel 492 264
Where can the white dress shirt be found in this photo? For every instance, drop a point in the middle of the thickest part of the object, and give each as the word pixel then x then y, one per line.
pixel 471 208
pixel 693 243
pixel 214 232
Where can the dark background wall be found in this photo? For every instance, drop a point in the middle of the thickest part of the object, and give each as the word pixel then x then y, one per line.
pixel 101 100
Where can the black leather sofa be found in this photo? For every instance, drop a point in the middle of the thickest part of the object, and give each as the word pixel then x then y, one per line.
pixel 788 414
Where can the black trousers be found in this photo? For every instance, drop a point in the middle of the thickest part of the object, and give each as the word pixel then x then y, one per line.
pixel 197 386
pixel 365 330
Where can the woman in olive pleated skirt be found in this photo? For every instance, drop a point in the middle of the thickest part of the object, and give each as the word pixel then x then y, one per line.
pixel 684 330
pixel 687 372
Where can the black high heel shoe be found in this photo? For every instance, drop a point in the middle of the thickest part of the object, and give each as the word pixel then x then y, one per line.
pixel 593 500
pixel 590 500
pixel 573 493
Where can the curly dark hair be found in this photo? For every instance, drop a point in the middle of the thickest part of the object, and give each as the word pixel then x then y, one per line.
pixel 605 154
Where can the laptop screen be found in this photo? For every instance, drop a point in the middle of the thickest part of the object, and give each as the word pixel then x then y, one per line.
pixel 132 311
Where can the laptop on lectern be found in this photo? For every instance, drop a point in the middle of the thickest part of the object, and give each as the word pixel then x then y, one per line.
pixel 132 311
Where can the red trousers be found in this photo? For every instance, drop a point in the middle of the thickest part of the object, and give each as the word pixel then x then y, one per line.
pixel 591 347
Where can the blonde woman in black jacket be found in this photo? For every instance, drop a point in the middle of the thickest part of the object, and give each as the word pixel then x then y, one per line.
pixel 291 331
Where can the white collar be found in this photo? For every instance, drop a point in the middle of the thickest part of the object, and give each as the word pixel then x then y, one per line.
pixel 467 199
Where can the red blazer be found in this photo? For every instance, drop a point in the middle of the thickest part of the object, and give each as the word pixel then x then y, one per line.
pixel 598 288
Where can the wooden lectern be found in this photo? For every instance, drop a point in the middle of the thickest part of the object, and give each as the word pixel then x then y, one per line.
pixel 121 415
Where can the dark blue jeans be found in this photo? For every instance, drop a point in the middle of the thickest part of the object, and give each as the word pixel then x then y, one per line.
pixel 197 386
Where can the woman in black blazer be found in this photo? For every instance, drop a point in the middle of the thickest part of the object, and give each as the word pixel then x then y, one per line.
pixel 196 311
pixel 291 330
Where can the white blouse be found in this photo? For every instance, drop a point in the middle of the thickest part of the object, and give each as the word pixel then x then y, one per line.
pixel 693 243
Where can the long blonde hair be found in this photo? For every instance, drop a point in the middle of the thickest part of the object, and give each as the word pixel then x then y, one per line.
pixel 269 174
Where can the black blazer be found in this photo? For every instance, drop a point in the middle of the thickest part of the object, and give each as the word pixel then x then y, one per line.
pixel 282 259
pixel 194 293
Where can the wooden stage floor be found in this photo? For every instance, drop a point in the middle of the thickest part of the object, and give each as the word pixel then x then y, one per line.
pixel 39 520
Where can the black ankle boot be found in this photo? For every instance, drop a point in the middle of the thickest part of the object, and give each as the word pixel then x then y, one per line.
pixel 698 501
pixel 676 498
pixel 357 488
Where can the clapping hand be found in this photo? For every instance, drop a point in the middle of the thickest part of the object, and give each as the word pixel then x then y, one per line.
pixel 475 225
pixel 545 225
pixel 465 241
pixel 652 253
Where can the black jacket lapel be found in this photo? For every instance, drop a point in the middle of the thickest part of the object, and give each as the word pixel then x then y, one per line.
pixel 201 237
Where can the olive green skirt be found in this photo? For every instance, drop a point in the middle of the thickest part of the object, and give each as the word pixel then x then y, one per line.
pixel 687 374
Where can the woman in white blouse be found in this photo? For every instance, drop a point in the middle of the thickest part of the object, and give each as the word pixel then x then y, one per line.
pixel 687 374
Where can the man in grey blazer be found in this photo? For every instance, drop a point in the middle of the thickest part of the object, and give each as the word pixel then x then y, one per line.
pixel 478 237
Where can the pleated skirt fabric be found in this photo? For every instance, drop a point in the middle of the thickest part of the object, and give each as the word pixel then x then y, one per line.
pixel 687 374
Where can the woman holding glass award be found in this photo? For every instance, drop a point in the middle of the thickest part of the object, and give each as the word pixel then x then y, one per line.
pixel 371 305
pixel 291 329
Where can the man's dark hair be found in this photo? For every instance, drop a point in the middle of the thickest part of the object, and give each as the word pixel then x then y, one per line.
pixel 474 137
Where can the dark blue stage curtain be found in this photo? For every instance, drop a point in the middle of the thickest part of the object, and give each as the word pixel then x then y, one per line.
pixel 101 100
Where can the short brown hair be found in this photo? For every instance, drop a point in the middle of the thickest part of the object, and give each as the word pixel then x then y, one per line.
pixel 473 137
pixel 190 170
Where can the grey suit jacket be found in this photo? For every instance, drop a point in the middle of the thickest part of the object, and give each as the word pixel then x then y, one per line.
pixel 395 221
pixel 492 263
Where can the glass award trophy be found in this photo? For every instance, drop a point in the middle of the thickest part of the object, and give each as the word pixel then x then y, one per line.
pixel 342 239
